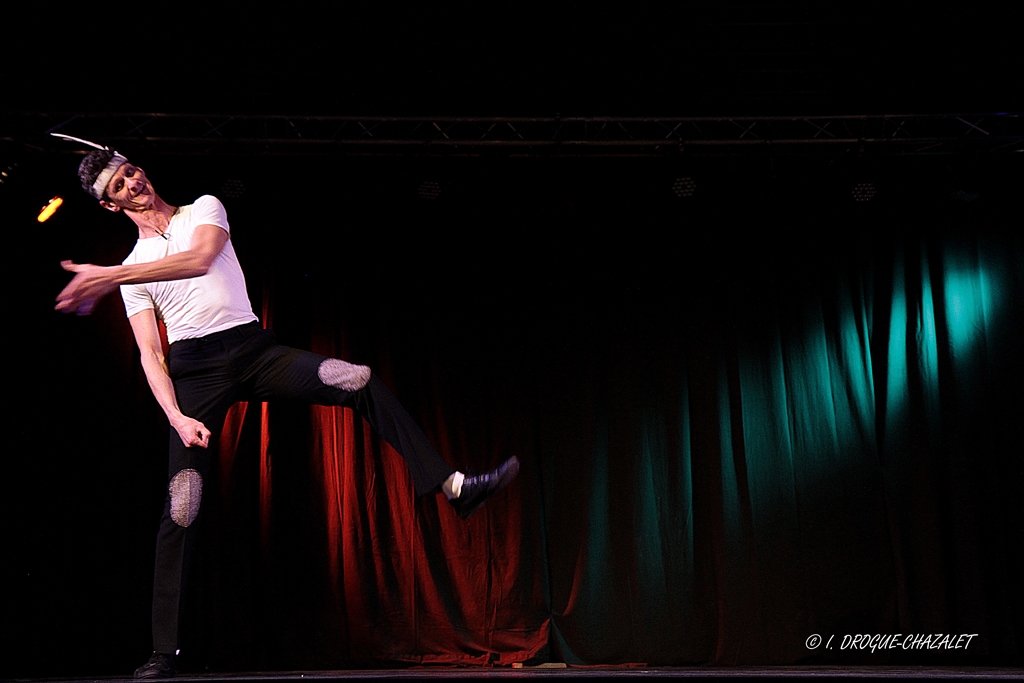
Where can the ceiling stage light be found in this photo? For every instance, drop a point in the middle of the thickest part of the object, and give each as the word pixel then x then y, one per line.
pixel 429 189
pixel 684 187
pixel 233 188
pixel 5 175
pixel 863 192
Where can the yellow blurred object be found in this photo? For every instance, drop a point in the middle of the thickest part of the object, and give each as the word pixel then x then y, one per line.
pixel 50 208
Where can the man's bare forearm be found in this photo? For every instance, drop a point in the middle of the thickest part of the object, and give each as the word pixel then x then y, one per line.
pixel 192 432
pixel 93 282
pixel 174 267
pixel 159 378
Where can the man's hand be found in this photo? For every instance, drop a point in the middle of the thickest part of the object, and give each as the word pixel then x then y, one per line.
pixel 88 286
pixel 192 432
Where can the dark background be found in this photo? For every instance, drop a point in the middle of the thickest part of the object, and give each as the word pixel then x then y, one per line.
pixel 650 59
pixel 533 303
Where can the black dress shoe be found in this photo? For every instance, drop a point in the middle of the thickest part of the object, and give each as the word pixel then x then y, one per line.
pixel 476 490
pixel 158 666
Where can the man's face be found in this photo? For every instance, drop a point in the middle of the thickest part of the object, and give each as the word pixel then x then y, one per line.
pixel 129 189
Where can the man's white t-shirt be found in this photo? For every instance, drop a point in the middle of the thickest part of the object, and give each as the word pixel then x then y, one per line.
pixel 197 306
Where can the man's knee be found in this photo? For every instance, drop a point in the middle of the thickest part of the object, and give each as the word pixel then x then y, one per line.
pixel 186 490
pixel 342 375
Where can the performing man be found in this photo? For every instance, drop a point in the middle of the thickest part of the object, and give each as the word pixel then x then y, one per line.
pixel 184 272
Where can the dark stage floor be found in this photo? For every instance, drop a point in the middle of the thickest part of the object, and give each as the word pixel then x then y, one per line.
pixel 764 673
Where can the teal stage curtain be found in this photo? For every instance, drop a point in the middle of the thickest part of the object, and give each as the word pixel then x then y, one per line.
pixel 841 456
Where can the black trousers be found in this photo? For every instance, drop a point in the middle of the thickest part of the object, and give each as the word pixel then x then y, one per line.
pixel 246 363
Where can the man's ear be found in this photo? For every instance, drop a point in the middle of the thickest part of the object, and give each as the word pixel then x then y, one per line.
pixel 109 206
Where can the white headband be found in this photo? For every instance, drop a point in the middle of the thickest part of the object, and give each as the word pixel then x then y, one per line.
pixel 99 187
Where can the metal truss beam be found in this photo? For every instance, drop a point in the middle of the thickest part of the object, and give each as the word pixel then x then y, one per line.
pixel 258 135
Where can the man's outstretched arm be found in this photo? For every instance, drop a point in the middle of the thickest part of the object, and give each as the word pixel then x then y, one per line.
pixel 91 283
pixel 147 335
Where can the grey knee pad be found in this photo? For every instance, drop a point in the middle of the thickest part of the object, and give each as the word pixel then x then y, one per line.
pixel 186 489
pixel 342 375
